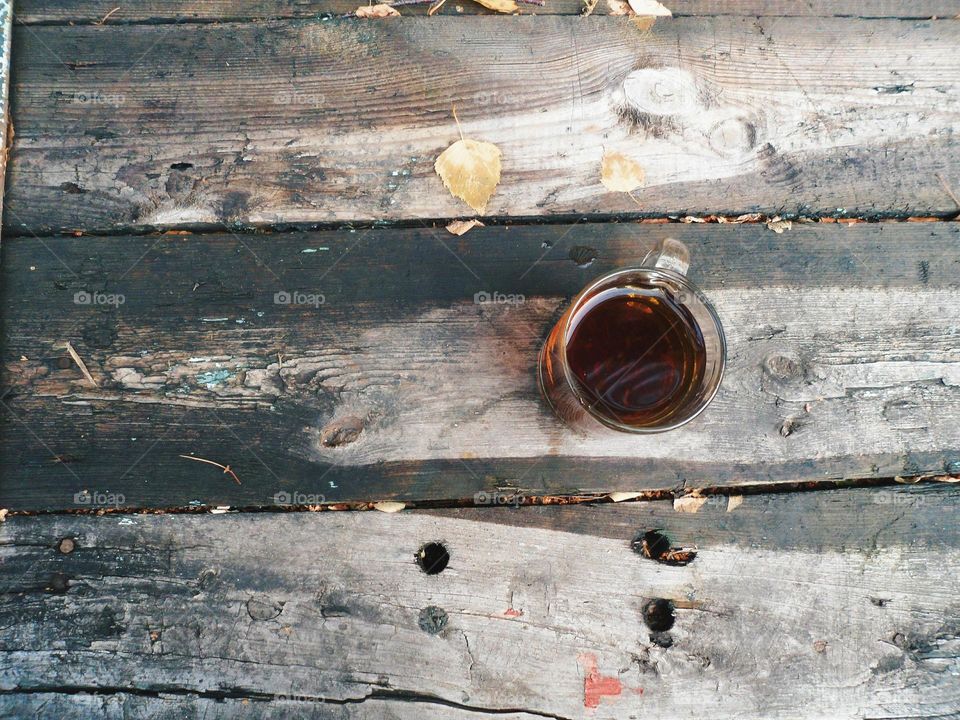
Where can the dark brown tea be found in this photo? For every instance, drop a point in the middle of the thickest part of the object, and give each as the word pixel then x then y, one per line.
pixel 637 354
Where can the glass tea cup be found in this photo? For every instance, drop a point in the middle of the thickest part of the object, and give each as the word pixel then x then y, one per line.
pixel 640 350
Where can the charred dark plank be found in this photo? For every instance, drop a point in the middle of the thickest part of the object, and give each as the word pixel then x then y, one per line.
pixel 328 614
pixel 323 121
pixel 367 365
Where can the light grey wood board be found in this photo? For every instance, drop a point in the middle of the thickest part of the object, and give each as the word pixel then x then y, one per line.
pixel 330 607
pixel 124 706
pixel 324 121
pixel 90 11
pixel 842 363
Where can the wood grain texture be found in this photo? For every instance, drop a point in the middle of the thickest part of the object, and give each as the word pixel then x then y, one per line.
pixel 88 11
pixel 323 121
pixel 842 363
pixel 332 610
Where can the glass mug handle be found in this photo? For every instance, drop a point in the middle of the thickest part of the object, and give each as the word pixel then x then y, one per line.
pixel 670 254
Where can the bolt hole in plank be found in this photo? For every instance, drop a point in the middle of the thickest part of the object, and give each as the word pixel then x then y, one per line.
pixel 433 558
pixel 656 545
pixel 659 614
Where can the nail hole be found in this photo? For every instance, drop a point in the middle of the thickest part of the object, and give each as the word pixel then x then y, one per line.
pixel 654 544
pixel 66 545
pixel 659 615
pixel 433 620
pixel 433 558
pixel 72 188
pixel 59 583
pixel 181 166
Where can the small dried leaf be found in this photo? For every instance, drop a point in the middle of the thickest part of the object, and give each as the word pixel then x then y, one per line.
pixel 502 6
pixel 649 8
pixel 389 507
pixel 748 218
pixel 908 480
pixel 619 173
pixel 622 496
pixel 471 171
pixel 3 514
pixel 733 502
pixel 377 11
pixel 588 7
pixel 688 503
pixel 619 7
pixel 778 225
pixel 462 227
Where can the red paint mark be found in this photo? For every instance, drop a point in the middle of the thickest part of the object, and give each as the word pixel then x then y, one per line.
pixel 511 613
pixel 595 685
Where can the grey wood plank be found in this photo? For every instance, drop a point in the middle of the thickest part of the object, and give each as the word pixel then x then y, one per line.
pixel 842 364
pixel 326 121
pixel 124 706
pixel 88 11
pixel 6 25
pixel 332 607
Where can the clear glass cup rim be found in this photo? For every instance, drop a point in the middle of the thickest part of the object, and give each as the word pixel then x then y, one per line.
pixel 606 279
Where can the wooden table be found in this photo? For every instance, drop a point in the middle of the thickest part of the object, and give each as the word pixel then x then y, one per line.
pixel 225 248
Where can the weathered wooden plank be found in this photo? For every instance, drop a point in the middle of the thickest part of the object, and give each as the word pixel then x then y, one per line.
pixel 315 121
pixel 88 11
pixel 332 608
pixel 124 706
pixel 6 23
pixel 842 363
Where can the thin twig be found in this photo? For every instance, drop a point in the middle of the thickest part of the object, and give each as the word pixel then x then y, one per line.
pixel 435 7
pixel 948 190
pixel 453 109
pixel 226 468
pixel 82 365
pixel 106 17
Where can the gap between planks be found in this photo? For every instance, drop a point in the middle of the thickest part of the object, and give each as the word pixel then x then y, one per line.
pixel 522 498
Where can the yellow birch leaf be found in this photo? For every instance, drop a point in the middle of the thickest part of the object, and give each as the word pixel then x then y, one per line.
pixel 620 174
pixel 471 171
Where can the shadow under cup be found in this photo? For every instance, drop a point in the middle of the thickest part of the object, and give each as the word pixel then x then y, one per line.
pixel 639 350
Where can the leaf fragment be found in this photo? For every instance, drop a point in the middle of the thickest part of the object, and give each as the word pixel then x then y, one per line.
pixel 619 173
pixel 778 225
pixel 733 502
pixel 649 8
pixel 381 10
pixel 462 227
pixel 470 169
pixel 501 6
pixel 623 496
pixel 619 7
pixel 389 507
pixel 688 503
